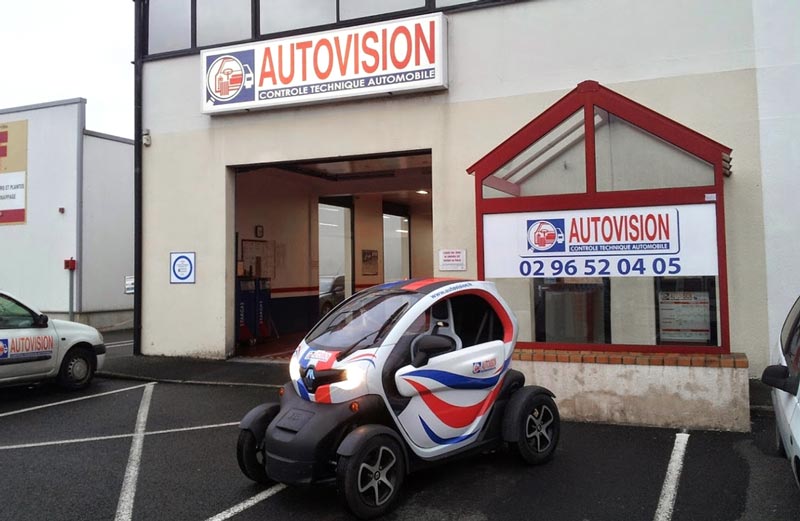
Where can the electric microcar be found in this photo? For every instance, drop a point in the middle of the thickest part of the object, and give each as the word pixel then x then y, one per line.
pixel 398 377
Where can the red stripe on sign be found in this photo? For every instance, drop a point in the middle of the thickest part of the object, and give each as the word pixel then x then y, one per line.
pixel 323 394
pixel 12 216
pixel 4 136
pixel 414 286
pixel 3 151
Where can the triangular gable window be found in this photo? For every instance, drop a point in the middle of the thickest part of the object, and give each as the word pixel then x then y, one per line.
pixel 602 222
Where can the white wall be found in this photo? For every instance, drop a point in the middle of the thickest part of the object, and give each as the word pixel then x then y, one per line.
pixel 691 61
pixel 32 259
pixel 107 223
pixel 777 41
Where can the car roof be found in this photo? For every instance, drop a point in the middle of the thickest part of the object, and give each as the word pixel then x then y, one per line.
pixel 423 286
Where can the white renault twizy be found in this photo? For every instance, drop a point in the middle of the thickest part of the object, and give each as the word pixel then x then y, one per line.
pixel 393 379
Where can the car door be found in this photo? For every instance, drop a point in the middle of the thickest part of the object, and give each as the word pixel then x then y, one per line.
pixel 451 393
pixel 786 405
pixel 27 347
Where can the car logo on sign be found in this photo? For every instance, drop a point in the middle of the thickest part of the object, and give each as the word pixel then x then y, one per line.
pixel 3 348
pixel 546 235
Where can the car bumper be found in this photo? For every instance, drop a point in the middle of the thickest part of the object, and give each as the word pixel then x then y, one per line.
pixel 301 442
pixel 100 355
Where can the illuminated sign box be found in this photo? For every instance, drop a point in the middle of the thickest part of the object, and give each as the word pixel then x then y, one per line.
pixel 390 57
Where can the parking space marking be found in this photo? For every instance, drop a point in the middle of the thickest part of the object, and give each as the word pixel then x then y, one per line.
pixel 244 505
pixel 114 436
pixel 666 502
pixel 125 504
pixel 72 400
pixel 122 343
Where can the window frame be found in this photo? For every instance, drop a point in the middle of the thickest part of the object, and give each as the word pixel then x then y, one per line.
pixel 586 96
pixel 256 35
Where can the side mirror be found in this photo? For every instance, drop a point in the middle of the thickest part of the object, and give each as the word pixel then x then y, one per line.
pixel 428 346
pixel 778 376
pixel 41 320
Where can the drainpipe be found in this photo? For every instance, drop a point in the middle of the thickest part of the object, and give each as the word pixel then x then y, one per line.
pixel 139 35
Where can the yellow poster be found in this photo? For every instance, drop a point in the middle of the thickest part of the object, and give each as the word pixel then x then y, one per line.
pixel 13 171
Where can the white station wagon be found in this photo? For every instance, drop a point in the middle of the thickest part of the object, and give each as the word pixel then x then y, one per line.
pixel 34 348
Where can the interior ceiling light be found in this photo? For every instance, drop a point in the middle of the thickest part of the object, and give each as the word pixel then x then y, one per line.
pixel 422 192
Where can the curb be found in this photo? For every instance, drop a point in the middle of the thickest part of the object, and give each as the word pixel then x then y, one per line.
pixel 121 376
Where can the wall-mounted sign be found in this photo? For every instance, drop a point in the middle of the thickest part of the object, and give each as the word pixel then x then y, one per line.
pixel 181 268
pixel 13 171
pixel 452 260
pixel 130 284
pixel 618 242
pixel 368 60
pixel 684 316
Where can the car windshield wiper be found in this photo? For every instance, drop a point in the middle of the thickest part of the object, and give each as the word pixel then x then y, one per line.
pixel 378 333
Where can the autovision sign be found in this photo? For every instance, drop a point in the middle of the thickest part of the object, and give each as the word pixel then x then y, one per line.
pixel 616 242
pixel 392 57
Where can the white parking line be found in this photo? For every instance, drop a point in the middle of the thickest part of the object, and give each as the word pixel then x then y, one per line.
pixel 244 505
pixel 125 504
pixel 123 343
pixel 670 489
pixel 72 400
pixel 113 437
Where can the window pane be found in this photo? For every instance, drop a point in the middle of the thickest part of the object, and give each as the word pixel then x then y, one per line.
pixel 446 3
pixel 642 311
pixel 221 21
pixel 350 9
pixel 13 316
pixel 170 26
pixel 629 158
pixel 284 15
pixel 395 248
pixel 555 164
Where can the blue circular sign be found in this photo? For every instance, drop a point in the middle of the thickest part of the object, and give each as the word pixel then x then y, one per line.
pixel 182 267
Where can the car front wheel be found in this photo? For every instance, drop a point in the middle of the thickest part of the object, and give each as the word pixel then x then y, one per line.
pixel 369 481
pixel 539 425
pixel 77 368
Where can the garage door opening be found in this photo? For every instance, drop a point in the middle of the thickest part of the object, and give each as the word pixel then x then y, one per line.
pixel 311 233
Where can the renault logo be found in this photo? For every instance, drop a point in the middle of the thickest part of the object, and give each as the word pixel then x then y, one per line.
pixel 309 379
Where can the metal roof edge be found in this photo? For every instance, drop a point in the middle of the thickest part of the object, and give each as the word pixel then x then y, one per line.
pixel 46 105
pixel 110 137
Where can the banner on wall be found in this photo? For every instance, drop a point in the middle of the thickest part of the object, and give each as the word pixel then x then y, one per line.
pixel 388 57
pixel 13 171
pixel 651 241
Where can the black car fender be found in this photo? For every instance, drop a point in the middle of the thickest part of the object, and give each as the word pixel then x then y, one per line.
pixel 514 409
pixel 257 420
pixel 357 437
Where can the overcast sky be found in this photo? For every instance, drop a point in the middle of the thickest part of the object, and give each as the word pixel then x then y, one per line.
pixel 60 49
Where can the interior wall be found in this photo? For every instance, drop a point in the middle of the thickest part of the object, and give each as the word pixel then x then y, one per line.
pixel 421 242
pixel 286 208
pixel 368 215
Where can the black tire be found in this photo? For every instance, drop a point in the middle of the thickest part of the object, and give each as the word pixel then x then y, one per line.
pixel 539 428
pixel 77 368
pixel 251 457
pixel 369 481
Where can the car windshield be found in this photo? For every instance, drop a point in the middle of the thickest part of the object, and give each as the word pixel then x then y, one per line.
pixel 361 322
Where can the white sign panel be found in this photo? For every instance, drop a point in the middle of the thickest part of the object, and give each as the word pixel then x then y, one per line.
pixel 130 284
pixel 684 316
pixel 388 57
pixel 618 242
pixel 181 268
pixel 452 260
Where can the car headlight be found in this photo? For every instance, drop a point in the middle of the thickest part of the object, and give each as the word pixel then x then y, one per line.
pixel 294 368
pixel 353 377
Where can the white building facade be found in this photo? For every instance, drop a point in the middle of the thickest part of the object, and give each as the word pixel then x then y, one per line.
pixel 234 108
pixel 68 195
